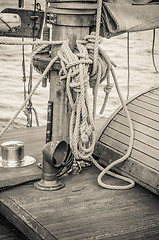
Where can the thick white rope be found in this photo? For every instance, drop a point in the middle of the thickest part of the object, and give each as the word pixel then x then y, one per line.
pixel 83 149
pixel 85 61
pixel 75 71
pixel 37 42
pixel 122 159
pixel 81 131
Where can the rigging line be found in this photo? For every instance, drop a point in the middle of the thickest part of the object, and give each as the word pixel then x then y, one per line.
pixel 26 111
pixel 2 20
pixel 30 102
pixel 35 3
pixel 34 39
pixel 30 107
pixel 30 95
pixel 153 49
pixel 128 64
pixel 23 68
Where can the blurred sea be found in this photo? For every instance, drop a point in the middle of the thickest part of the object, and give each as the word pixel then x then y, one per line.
pixel 142 73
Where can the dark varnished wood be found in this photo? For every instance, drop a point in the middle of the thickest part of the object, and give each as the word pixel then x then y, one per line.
pixel 8 231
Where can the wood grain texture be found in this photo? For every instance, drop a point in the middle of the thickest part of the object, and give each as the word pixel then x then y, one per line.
pixel 82 210
pixel 34 140
pixel 8 231
pixel 113 142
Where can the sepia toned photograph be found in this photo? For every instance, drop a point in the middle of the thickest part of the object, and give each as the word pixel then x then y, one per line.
pixel 79 120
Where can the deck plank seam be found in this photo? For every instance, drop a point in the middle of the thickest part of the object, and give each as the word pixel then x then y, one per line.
pixel 127 135
pixel 148 97
pixel 126 145
pixel 141 116
pixel 135 129
pixel 145 109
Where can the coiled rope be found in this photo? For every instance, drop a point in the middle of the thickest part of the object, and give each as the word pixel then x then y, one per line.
pixel 75 70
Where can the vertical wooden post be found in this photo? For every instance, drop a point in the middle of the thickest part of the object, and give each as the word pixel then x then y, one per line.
pixel 69 20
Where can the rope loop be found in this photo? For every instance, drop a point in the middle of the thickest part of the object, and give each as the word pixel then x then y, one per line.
pixel 108 88
pixel 75 68
pixel 83 61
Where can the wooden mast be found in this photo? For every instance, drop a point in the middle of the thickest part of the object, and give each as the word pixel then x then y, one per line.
pixel 69 20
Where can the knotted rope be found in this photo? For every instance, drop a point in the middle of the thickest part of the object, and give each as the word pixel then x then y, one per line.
pixel 75 69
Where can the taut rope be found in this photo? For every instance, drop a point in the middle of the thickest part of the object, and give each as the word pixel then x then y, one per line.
pixel 30 95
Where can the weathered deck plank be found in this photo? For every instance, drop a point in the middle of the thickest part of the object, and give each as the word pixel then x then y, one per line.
pixel 153 96
pixel 146 105
pixel 82 210
pixel 140 150
pixel 9 232
pixel 147 99
pixel 144 112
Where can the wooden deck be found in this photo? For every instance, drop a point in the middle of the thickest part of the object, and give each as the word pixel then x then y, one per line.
pixel 9 232
pixel 113 140
pixel 82 210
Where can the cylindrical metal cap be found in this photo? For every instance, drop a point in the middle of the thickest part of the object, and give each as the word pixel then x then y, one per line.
pixel 13 155
pixel 12 151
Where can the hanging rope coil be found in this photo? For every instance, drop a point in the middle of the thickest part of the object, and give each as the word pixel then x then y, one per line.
pixel 75 70
pixel 122 159
pixel 102 72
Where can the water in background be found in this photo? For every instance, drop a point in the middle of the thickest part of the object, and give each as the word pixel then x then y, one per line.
pixel 142 75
